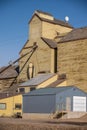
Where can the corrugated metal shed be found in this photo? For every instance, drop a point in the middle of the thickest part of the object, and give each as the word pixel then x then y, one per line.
pixel 50 100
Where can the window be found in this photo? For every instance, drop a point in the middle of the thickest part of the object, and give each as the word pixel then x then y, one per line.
pixel 18 106
pixel 33 88
pixel 2 106
pixel 22 90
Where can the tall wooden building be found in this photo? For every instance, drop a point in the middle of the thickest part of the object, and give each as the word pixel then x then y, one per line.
pixel 72 57
pixel 60 56
pixel 45 31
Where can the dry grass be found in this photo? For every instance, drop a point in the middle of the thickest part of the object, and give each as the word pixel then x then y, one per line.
pixel 20 124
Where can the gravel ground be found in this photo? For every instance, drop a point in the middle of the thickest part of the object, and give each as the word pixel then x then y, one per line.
pixel 21 124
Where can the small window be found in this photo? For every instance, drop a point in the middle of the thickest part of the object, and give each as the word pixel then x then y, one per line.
pixel 33 88
pixel 18 106
pixel 22 90
pixel 2 106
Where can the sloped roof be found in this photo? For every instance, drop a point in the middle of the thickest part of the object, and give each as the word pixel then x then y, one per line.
pixel 54 21
pixel 10 72
pixel 8 94
pixel 37 80
pixel 39 11
pixel 61 79
pixel 48 91
pixel 49 42
pixel 75 34
pixel 58 81
pixel 58 22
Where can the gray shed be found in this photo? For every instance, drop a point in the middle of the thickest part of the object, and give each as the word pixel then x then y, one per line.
pixel 50 100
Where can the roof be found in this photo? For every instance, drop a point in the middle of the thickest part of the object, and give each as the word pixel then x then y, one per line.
pixel 48 91
pixel 37 80
pixel 75 34
pixel 49 42
pixel 39 11
pixel 7 94
pixel 61 79
pixel 54 21
pixel 57 82
pixel 10 72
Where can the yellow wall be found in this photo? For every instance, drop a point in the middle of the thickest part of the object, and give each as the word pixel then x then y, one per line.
pixel 10 105
pixel 41 59
pixel 50 30
pixel 47 82
pixel 62 84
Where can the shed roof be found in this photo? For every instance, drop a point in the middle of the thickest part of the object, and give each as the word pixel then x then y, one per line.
pixel 10 72
pixel 75 34
pixel 37 80
pixel 49 42
pixel 48 91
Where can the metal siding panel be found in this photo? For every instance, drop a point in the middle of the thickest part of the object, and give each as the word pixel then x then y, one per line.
pixel 61 97
pixel 39 104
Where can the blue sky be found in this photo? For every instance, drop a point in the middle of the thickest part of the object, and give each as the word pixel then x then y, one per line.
pixel 15 14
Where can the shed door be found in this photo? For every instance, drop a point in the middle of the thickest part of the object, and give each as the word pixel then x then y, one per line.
pixel 79 104
pixel 68 104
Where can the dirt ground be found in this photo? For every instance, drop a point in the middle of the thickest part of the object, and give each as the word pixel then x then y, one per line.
pixel 51 124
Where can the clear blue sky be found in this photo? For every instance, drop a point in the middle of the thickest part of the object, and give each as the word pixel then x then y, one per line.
pixel 15 14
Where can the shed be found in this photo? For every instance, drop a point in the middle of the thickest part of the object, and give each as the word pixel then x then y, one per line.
pixel 46 101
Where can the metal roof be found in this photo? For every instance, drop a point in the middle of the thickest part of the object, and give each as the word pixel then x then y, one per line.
pixel 48 91
pixel 75 34
pixel 37 80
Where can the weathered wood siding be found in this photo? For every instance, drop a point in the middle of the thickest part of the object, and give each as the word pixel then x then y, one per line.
pixel 41 59
pixel 72 60
pixel 50 30
pixel 5 83
pixel 35 28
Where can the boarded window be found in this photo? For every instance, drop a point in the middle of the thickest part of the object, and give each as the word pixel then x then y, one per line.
pixel 2 106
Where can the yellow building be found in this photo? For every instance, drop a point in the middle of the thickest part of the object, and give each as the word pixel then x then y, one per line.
pixel 10 105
